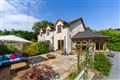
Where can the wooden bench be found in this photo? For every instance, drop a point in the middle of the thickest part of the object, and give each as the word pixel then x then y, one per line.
pixel 18 66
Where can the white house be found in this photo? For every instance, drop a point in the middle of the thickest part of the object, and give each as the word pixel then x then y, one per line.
pixel 62 36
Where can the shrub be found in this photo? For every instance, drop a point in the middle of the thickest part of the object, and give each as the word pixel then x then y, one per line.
pixel 12 48
pixel 32 49
pixel 7 49
pixel 37 48
pixel 43 47
pixel 73 75
pixel 102 64
pixel 4 49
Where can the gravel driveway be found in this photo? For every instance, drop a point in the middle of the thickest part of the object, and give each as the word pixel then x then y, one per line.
pixel 115 71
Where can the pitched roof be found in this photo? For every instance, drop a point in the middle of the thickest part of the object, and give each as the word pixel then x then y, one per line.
pixel 88 34
pixel 71 22
pixel 13 38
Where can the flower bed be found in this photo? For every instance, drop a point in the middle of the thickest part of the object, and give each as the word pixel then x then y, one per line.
pixel 39 72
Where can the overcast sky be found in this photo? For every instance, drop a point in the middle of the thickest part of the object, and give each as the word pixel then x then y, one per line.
pixel 21 14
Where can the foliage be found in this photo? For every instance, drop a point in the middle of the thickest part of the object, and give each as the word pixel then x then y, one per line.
pixel 23 34
pixel 88 28
pixel 32 49
pixel 78 57
pixel 12 48
pixel 43 47
pixel 4 49
pixel 42 24
pixel 38 72
pixel 73 75
pixel 114 40
pixel 7 49
pixel 37 48
pixel 102 64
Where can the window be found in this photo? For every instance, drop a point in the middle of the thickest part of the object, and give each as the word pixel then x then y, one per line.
pixel 48 32
pixel 59 29
pixel 41 34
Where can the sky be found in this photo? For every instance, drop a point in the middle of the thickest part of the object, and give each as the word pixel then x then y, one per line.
pixel 22 14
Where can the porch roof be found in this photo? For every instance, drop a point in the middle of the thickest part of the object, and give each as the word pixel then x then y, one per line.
pixel 88 34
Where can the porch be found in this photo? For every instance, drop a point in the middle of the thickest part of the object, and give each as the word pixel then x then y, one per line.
pixel 98 42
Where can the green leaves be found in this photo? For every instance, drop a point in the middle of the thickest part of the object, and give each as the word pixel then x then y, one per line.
pixel 7 49
pixel 42 24
pixel 43 47
pixel 114 40
pixel 37 48
pixel 73 75
pixel 32 49
pixel 23 34
pixel 102 64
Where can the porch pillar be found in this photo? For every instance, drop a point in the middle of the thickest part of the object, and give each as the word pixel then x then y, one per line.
pixel 99 44
pixel 81 47
pixel 71 46
pixel 92 44
pixel 105 44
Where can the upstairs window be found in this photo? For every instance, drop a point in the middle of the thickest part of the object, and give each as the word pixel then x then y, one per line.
pixel 48 32
pixel 59 29
pixel 41 34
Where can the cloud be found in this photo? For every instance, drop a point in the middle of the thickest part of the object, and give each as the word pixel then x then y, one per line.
pixel 13 15
pixel 18 22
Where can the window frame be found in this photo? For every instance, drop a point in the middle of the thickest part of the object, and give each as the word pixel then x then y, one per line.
pixel 59 29
pixel 48 32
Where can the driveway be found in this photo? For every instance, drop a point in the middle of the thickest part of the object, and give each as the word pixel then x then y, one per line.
pixel 115 71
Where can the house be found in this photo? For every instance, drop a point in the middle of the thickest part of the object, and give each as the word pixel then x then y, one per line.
pixel 65 35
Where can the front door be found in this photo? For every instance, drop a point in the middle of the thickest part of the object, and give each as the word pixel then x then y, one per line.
pixel 60 44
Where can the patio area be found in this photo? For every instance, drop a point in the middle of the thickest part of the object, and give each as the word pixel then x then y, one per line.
pixel 62 64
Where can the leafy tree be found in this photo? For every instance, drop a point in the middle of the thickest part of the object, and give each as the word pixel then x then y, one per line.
pixel 88 28
pixel 23 34
pixel 42 24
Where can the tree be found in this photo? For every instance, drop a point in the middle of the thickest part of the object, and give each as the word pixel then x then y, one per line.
pixel 42 24
pixel 29 35
pixel 88 28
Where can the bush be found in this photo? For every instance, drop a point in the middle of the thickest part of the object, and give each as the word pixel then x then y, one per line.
pixel 37 48
pixel 12 48
pixel 32 49
pixel 102 64
pixel 4 49
pixel 43 47
pixel 73 75
pixel 7 49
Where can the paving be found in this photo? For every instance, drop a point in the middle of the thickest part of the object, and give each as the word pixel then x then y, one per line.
pixel 63 64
